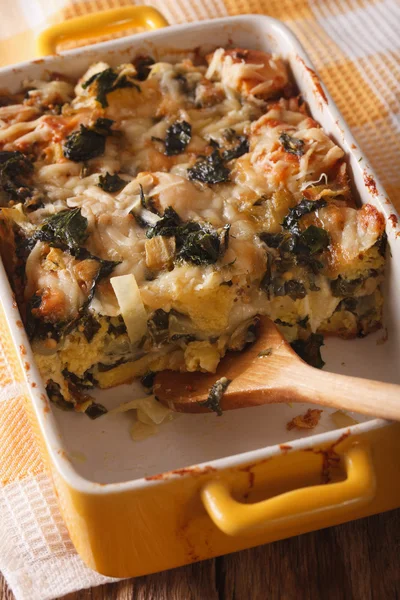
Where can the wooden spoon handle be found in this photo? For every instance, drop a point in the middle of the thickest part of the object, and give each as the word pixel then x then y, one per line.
pixel 365 396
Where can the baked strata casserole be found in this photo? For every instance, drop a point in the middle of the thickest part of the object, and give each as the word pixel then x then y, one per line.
pixel 151 211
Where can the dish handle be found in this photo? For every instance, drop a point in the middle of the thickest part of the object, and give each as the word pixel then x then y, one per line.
pixel 308 503
pixel 98 24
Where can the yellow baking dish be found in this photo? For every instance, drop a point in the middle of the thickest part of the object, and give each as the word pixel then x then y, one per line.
pixel 205 486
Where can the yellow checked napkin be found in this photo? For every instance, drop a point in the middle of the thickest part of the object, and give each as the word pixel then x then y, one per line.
pixel 354 45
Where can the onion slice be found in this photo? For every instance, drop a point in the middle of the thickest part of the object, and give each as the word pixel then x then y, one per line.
pixel 131 304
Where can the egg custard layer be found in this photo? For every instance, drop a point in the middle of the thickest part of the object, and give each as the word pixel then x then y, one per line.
pixel 150 211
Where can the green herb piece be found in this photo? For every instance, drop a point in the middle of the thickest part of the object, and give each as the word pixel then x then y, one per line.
pixel 273 240
pixel 15 169
pixel 88 142
pixel 36 327
pixel 266 352
pixel 291 144
pixel 107 81
pixel 178 137
pixel 315 239
pixel 117 328
pixel 111 183
pixel 310 350
pixel 147 380
pixel 54 393
pixel 146 201
pixel 291 221
pixel 283 323
pixel 84 383
pixel 158 326
pixel 89 326
pixel 102 126
pixel 213 401
pixel 381 244
pixel 95 410
pixel 198 243
pixel 295 290
pixel 102 367
pixel 209 169
pixel 303 322
pixel 167 225
pixel 241 148
pixel 201 246
pixel 143 65
pixel 65 229
pixel 345 287
pixel 105 268
pixel 349 304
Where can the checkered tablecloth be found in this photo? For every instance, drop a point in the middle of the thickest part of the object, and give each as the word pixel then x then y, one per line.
pixel 355 46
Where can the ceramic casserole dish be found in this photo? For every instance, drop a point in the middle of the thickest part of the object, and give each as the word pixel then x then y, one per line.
pixel 205 486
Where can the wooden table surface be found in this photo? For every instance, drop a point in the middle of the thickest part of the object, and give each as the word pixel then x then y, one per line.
pixel 355 561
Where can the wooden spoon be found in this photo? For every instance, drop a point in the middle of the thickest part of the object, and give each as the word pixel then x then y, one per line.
pixel 270 371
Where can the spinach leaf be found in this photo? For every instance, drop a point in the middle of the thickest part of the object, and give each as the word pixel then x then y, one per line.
pixel 314 239
pixel 102 126
pixel 158 326
pixel 291 221
pixel 143 65
pixel 65 229
pixel 283 323
pixel 37 327
pixel 273 240
pixel 198 243
pixel 209 169
pixel 116 326
pixel 178 137
pixel 382 244
pixel 107 81
pixel 147 380
pixel 167 225
pixel 310 350
pixel 292 144
pixel 54 393
pixel 88 142
pixel 95 410
pixel 85 382
pixel 105 268
pixel 345 287
pixel 201 246
pixel 294 249
pixel 111 183
pixel 295 289
pixel 89 326
pixel 278 287
pixel 213 401
pixel 15 168
pixel 303 322
pixel 241 148
pixel 147 203
pixel 103 367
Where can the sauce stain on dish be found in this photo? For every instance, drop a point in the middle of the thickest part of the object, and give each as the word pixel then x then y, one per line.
pixel 315 79
pixel 196 471
pixel 370 183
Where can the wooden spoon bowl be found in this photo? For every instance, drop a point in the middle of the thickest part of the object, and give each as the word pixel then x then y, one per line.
pixel 269 371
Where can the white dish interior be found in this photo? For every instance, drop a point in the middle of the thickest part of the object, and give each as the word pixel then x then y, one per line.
pixel 102 450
